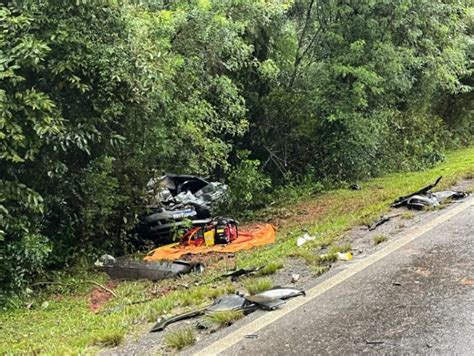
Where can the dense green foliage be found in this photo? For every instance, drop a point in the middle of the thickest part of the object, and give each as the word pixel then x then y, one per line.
pixel 97 98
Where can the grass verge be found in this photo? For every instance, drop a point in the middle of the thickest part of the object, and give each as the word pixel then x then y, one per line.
pixel 66 324
pixel 379 239
pixel 180 338
pixel 257 285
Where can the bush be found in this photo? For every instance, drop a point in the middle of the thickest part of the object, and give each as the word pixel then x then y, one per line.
pixel 247 186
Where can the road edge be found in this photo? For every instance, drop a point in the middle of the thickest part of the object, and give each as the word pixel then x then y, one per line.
pixel 266 319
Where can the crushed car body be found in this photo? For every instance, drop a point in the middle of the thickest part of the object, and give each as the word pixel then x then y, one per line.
pixel 177 201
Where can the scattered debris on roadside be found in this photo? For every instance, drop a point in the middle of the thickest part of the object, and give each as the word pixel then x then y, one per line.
pixel 154 271
pixel 268 300
pixel 251 336
pixel 295 277
pixel 304 239
pixel 382 220
pixel 234 275
pixel 468 282
pixel 281 293
pixel 425 198
pixel 342 256
pixel 103 260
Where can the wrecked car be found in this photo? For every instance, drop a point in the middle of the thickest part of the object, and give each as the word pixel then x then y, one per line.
pixel 177 202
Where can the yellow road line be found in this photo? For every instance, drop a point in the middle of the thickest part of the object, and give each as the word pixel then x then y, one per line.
pixel 268 318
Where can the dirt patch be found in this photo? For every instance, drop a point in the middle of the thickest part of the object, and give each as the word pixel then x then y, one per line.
pixel 212 260
pixel 100 296
pixel 302 214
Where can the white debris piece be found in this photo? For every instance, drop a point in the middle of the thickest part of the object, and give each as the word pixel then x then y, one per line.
pixel 304 239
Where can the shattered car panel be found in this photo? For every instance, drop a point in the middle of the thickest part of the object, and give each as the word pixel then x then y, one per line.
pixel 228 303
pixel 424 197
pixel 433 199
pixel 178 201
pixel 154 271
pixel 281 293
pixel 404 199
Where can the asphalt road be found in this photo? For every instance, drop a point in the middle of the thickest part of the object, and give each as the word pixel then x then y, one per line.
pixel 417 299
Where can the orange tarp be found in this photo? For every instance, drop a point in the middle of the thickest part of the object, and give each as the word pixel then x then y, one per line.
pixel 263 235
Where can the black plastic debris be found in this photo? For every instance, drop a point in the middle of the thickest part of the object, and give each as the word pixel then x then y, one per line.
pixel 433 199
pixel 251 336
pixel 424 197
pixel 268 300
pixel 163 323
pixel 355 187
pixel 404 199
pixel 223 303
pixel 154 271
pixel 228 303
pixel 381 221
pixel 234 275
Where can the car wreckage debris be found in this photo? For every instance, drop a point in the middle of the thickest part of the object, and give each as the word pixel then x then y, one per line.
pixel 424 197
pixel 295 277
pixel 381 221
pixel 268 300
pixel 234 275
pixel 304 239
pixel 404 199
pixel 154 271
pixel 282 293
pixel 173 201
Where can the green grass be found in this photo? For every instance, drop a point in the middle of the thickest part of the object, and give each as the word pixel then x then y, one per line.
pixel 67 326
pixel 407 215
pixel 318 270
pixel 378 239
pixel 224 318
pixel 110 339
pixel 180 338
pixel 257 285
pixel 271 268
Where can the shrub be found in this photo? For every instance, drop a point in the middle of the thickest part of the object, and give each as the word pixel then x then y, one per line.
pixel 247 186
